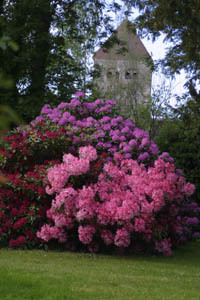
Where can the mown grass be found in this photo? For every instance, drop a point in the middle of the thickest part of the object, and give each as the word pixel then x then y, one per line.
pixel 54 275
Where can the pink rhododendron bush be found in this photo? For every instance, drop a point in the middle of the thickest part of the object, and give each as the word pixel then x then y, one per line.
pixel 129 207
pixel 83 177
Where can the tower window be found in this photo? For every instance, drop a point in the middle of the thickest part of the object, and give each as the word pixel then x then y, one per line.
pixel 130 74
pixel 110 73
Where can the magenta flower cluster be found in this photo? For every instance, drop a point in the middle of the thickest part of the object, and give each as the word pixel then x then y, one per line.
pixel 128 207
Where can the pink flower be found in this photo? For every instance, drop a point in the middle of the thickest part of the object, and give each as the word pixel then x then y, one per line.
pixel 47 232
pixel 66 196
pixel 164 247
pixel 85 204
pixel 139 225
pixel 107 236
pixel 118 157
pixel 60 220
pixel 88 153
pixel 122 238
pixel 57 177
pixel 75 166
pixel 86 233
pixel 188 189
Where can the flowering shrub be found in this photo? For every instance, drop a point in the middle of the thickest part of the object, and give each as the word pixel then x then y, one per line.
pixel 107 133
pixel 70 125
pixel 64 132
pixel 23 206
pixel 80 122
pixel 129 206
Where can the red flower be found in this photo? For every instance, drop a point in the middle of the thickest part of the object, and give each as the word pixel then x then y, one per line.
pixel 23 209
pixel 16 243
pixel 51 134
pixel 2 205
pixel 12 243
pixel 15 145
pixel 30 235
pixel 32 187
pixel 104 155
pixel 8 224
pixel 41 136
pixel 36 175
pixel 41 191
pixel 20 223
pixel 1 214
pixel 63 130
pixel 17 181
pixel 14 212
pixel 25 151
pixel 5 153
pixel 42 211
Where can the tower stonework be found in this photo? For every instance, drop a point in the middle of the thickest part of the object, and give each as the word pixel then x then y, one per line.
pixel 124 76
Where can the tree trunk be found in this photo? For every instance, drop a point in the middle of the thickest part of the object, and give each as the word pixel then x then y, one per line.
pixel 41 48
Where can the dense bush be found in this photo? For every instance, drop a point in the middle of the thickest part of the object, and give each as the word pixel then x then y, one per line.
pixel 27 152
pixel 129 206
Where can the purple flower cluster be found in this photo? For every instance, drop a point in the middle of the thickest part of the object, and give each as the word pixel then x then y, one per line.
pixel 110 134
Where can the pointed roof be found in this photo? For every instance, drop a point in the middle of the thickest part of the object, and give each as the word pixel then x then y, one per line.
pixel 126 33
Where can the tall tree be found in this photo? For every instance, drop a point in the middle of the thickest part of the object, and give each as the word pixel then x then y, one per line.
pixel 49 34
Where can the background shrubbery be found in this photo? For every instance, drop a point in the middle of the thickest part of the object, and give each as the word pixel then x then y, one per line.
pixel 180 136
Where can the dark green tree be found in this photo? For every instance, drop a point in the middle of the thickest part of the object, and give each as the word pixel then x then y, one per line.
pixel 48 33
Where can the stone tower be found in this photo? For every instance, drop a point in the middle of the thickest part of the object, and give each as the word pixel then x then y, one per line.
pixel 124 76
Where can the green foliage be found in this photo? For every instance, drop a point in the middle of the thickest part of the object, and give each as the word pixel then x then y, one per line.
pixel 8 117
pixel 181 138
pixel 5 43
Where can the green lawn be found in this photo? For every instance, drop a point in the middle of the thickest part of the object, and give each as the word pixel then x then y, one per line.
pixel 53 275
